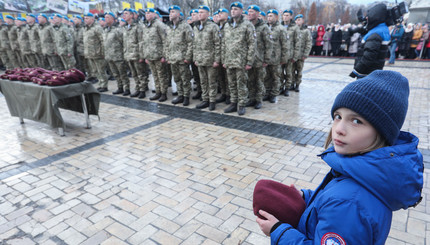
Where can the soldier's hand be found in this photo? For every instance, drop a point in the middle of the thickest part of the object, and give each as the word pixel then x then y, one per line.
pixel 69 55
pixel 186 62
pixel 225 67
pixel 248 67
pixel 195 63
pixel 163 60
pixel 146 61
pixel 215 65
pixel 293 60
pixel 140 60
pixel 264 64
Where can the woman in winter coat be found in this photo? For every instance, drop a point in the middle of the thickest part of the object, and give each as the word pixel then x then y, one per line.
pixel 376 169
pixel 405 41
pixel 353 45
pixel 416 37
pixel 336 40
pixel 327 42
pixel 320 40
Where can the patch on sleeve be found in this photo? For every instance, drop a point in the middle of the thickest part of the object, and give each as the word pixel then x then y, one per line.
pixel 332 239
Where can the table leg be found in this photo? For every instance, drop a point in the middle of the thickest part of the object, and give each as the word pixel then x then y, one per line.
pixel 84 107
pixel 21 120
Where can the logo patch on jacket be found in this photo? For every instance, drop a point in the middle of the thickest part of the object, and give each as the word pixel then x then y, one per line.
pixel 331 238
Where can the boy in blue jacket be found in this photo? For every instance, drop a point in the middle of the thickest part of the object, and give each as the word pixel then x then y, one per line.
pixel 375 169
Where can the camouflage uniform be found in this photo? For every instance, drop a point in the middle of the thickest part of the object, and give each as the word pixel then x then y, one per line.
pixel 13 40
pixel 7 55
pixel 293 32
pixel 206 51
pixel 195 71
pixel 81 63
pixel 239 46
pixel 154 35
pixel 24 45
pixel 131 39
pixel 64 41
pixel 36 58
pixel 262 55
pixel 114 55
pixel 222 72
pixel 305 45
pixel 279 55
pixel 47 41
pixel 93 51
pixel 178 47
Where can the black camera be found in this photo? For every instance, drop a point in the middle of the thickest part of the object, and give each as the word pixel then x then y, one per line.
pixel 395 14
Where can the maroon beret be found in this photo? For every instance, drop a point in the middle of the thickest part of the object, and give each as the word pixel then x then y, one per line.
pixel 55 82
pixel 80 74
pixel 4 76
pixel 282 201
pixel 13 77
pixel 36 79
pixel 24 78
pixel 45 76
pixel 72 77
pixel 8 72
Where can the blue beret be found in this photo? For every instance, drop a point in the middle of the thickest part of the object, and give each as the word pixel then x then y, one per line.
pixel 211 18
pixel 263 14
pixel 181 14
pixel 72 21
pixel 194 11
pixel 189 18
pixel 245 12
pixel 134 11
pixel 111 14
pixel 254 7
pixel 89 14
pixel 51 18
pixel 128 10
pixel 273 11
pixel 78 16
pixel 216 12
pixel 174 7
pixel 21 19
pixel 222 10
pixel 204 7
pixel 1 17
pixel 58 15
pixel 66 18
pixel 288 11
pixel 43 15
pixel 121 19
pixel 236 4
pixel 298 16
pixel 31 15
pixel 102 19
pixel 150 10
pixel 10 17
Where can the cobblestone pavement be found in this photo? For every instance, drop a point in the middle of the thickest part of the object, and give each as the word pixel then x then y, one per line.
pixel 155 173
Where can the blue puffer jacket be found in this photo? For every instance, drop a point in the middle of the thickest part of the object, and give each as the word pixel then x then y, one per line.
pixel 355 201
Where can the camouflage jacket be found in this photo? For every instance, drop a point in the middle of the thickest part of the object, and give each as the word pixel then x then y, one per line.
pixel 221 36
pixel 153 39
pixel 33 35
pixel 13 38
pixel 63 39
pixel 179 41
pixel 112 39
pixel 47 40
pixel 131 39
pixel 23 40
pixel 280 45
pixel 293 32
pixel 93 42
pixel 239 44
pixel 206 44
pixel 4 38
pixel 79 39
pixel 304 43
pixel 264 44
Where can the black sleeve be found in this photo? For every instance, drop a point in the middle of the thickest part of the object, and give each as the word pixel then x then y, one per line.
pixel 370 60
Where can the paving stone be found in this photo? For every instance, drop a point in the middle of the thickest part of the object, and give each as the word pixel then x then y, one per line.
pixel 120 231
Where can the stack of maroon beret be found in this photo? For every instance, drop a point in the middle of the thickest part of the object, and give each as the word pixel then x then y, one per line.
pixel 44 77
pixel 282 201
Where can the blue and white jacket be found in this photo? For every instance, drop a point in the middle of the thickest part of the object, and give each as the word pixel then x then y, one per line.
pixel 355 201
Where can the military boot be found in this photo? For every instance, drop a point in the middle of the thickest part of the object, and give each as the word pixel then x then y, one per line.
pixel 241 110
pixel 297 88
pixel 186 101
pixel 221 99
pixel 141 95
pixel 291 87
pixel 266 97
pixel 250 103
pixel 258 105
pixel 231 108
pixel 163 98
pixel 227 100
pixel 212 106
pixel 118 91
pixel 197 96
pixel 202 105
pixel 126 92
pixel 135 94
pixel 177 100
pixel 272 99
pixel 286 93
pixel 155 97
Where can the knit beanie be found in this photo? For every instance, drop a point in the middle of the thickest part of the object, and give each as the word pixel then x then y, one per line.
pixel 381 98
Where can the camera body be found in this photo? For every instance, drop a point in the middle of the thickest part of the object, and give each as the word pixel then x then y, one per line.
pixel 394 15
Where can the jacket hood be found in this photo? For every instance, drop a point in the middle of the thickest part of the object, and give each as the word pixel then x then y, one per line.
pixel 376 15
pixel 321 28
pixel 394 174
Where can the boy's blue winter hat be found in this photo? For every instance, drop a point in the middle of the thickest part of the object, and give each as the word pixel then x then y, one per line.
pixel 194 11
pixel 222 10
pixel 205 8
pixel 174 7
pixel 273 11
pixel 254 7
pixel 381 98
pixel 288 11
pixel 298 16
pixel 237 5
pixel 263 14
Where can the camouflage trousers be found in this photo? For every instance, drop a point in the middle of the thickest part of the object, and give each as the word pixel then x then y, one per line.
pixel 272 80
pixel 55 62
pixel 69 62
pixel 160 76
pixel 297 72
pixel 223 81
pixel 139 74
pixel 237 78
pixel 31 60
pixel 288 75
pixel 81 62
pixel 119 71
pixel 255 83
pixel 196 77
pixel 20 59
pixel 99 66
pixel 182 75
pixel 5 60
pixel 208 83
pixel 13 60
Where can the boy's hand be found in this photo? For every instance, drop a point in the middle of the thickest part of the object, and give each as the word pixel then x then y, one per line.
pixel 266 225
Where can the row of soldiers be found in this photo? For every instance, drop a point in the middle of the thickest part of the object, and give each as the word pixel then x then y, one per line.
pixel 248 58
